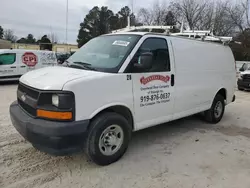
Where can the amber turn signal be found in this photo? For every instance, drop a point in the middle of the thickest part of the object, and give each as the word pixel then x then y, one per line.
pixel 54 115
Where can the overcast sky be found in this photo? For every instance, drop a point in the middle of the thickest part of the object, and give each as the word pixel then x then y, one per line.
pixel 41 17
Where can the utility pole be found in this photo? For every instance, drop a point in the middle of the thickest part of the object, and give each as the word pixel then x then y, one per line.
pixel 132 6
pixel 67 20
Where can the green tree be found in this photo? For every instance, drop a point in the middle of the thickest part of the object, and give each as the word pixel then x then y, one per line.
pixel 241 49
pixel 123 14
pixel 96 22
pixel 30 39
pixel 45 43
pixel 22 40
pixel 1 32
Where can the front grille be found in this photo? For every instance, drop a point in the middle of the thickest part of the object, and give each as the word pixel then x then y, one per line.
pixel 29 91
pixel 246 77
pixel 30 110
pixel 25 104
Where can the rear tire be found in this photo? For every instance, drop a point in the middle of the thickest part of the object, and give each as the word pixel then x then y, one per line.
pixel 108 138
pixel 216 112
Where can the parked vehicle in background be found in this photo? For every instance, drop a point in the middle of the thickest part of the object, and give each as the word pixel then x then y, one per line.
pixel 62 57
pixel 244 78
pixel 120 83
pixel 14 63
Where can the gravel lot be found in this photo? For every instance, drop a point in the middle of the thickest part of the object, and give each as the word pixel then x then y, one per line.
pixel 185 153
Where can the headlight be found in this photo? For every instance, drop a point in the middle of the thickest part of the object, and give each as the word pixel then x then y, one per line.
pixel 55 100
pixel 56 106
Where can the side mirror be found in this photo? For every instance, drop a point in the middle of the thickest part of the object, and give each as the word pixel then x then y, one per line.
pixel 145 61
pixel 241 69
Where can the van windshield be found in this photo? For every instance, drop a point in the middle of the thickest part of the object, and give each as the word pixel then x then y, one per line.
pixel 105 53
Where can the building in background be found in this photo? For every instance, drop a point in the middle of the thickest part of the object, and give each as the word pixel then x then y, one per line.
pixel 4 44
pixel 70 48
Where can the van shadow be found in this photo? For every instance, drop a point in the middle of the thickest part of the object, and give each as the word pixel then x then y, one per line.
pixel 164 132
pixel 6 83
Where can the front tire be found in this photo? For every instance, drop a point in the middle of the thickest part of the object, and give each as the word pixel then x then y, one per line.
pixel 108 138
pixel 216 112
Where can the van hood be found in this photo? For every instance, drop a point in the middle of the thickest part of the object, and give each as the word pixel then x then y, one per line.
pixel 54 78
pixel 246 72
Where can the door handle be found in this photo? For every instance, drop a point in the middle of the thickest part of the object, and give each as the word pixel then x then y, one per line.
pixel 172 80
pixel 12 67
pixel 23 66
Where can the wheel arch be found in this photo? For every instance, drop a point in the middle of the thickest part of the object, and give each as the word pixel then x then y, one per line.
pixel 121 109
pixel 223 93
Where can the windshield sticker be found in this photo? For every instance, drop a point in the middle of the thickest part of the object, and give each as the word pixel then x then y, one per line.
pixel 121 43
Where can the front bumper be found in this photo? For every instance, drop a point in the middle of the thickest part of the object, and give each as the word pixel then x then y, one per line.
pixel 55 138
pixel 243 84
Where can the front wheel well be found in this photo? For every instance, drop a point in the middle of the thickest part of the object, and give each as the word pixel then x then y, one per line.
pixel 122 110
pixel 223 93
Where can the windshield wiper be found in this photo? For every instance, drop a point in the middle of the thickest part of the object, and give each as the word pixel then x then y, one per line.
pixel 82 65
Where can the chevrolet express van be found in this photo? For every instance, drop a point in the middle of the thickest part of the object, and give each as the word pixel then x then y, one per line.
pixel 120 83
pixel 14 63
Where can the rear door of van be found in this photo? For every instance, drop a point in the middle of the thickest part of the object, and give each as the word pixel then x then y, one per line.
pixel 9 65
pixel 153 89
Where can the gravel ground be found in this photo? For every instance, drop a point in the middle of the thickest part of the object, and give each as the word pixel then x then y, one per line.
pixel 186 153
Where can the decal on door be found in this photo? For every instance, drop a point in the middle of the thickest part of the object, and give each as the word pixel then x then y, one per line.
pixel 29 59
pixel 144 81
pixel 154 94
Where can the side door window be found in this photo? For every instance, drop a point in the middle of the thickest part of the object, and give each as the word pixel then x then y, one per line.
pixel 161 61
pixel 7 59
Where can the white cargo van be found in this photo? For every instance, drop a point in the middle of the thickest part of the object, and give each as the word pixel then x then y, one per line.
pixel 14 63
pixel 120 83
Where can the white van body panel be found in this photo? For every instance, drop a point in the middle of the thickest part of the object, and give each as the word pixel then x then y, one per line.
pixel 17 69
pixel 92 95
pixel 200 70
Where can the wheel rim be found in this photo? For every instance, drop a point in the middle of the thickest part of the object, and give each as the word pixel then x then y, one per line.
pixel 218 109
pixel 111 140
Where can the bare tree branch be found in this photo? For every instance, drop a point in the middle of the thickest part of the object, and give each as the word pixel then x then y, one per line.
pixel 154 16
pixel 9 35
pixel 53 38
pixel 191 11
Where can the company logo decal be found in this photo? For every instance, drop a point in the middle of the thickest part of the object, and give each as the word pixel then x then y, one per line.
pixel 146 80
pixel 29 59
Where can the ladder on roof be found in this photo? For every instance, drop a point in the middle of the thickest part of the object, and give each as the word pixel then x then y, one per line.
pixel 203 35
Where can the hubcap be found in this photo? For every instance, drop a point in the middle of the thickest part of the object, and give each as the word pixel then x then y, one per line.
pixel 218 109
pixel 111 140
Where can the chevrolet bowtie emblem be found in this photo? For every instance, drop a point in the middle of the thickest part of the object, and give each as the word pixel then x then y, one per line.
pixel 23 97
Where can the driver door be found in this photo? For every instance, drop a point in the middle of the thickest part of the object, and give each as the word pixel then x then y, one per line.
pixel 153 89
